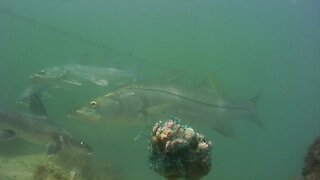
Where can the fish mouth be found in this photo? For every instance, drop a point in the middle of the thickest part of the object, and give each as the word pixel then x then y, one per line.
pixel 84 114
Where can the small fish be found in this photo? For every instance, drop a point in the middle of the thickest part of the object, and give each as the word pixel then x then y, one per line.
pixel 201 104
pixel 74 75
pixel 38 130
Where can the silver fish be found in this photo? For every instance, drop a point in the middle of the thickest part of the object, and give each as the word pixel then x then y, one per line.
pixel 202 104
pixel 74 75
pixel 38 130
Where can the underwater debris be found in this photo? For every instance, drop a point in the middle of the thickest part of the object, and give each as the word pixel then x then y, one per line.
pixel 177 151
pixel 311 170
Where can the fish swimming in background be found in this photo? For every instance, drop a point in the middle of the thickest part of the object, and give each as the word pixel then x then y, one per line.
pixel 77 74
pixel 73 75
pixel 38 130
pixel 200 104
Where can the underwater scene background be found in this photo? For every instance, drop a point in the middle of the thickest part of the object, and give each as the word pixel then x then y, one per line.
pixel 248 47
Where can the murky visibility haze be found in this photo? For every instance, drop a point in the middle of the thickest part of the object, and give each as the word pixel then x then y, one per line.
pixel 248 47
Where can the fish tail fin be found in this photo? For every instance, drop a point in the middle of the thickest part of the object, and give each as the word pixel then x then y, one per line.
pixel 255 118
pixel 36 105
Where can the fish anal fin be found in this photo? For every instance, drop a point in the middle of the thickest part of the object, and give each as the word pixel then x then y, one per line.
pixel 53 149
pixel 6 135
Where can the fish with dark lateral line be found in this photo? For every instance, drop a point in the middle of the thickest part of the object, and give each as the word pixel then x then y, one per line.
pixel 200 104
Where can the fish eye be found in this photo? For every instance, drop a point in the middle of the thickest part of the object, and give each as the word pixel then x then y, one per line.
pixel 82 144
pixel 93 104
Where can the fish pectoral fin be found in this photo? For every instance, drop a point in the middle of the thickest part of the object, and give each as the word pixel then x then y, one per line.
pixel 72 82
pixel 53 149
pixel 224 129
pixel 6 134
pixel 158 109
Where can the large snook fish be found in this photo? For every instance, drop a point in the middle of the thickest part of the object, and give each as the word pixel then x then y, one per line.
pixel 201 104
pixel 73 75
pixel 38 130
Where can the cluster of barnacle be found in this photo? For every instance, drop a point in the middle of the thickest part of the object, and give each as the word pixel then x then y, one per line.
pixel 311 170
pixel 177 151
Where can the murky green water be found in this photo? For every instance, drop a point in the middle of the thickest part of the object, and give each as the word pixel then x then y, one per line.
pixel 249 46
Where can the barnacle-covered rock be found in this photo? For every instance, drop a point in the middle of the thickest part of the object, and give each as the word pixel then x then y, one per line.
pixel 311 170
pixel 177 151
